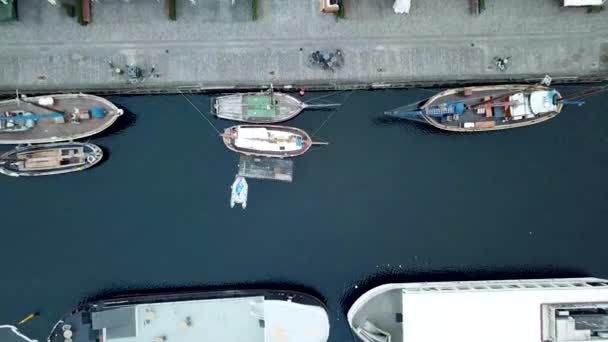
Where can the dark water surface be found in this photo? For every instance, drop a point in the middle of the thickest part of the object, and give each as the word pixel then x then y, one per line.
pixel 386 200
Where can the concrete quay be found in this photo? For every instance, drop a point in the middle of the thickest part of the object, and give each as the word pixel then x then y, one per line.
pixel 216 45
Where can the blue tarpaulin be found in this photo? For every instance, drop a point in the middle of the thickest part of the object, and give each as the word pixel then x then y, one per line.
pixel 98 112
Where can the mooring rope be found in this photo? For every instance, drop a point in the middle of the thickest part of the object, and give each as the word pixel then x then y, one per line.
pixel 201 113
pixel 326 95
pixel 329 116
pixel 407 106
pixel 16 331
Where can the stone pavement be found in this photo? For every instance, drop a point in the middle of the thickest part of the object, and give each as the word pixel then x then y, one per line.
pixel 216 45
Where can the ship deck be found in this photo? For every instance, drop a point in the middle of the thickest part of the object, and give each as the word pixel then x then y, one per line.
pixel 487 118
pixel 257 107
pixel 277 317
pixel 231 135
pixel 382 311
pixel 46 130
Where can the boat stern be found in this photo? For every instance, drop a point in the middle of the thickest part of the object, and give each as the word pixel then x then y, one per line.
pixel 377 316
pixel 288 321
pixel 93 155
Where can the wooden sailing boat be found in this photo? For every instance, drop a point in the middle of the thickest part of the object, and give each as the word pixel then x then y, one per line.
pixel 489 108
pixel 54 118
pixel 263 107
pixel 267 140
pixel 50 159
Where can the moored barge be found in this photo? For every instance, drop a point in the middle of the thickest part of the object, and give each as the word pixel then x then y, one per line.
pixel 207 316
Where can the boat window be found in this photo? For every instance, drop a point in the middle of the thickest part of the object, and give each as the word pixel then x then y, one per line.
pixel 596 283
pixel 65 152
pixel 399 317
pixel 575 322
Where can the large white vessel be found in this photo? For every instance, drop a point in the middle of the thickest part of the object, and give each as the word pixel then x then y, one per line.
pixel 207 316
pixel 542 310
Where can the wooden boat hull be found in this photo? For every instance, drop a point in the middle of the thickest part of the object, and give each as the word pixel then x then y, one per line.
pixel 46 159
pixel 260 108
pixel 453 95
pixel 77 113
pixel 239 139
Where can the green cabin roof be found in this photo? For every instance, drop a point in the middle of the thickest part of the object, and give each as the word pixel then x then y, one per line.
pixel 8 12
pixel 260 106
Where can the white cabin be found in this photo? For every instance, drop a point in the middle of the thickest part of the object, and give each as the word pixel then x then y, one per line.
pixel 550 310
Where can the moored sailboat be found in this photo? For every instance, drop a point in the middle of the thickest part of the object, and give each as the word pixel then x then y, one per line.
pixel 50 159
pixel 54 118
pixel 487 108
pixel 267 140
pixel 263 107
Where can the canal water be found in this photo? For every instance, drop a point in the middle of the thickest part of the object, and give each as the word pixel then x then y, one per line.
pixel 386 200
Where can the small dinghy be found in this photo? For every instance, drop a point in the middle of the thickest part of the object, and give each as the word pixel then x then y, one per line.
pixel 240 190
pixel 267 141
pixel 49 159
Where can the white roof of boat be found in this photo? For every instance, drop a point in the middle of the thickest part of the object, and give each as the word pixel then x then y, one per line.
pixel 521 105
pixel 542 102
pixel 433 314
pixel 583 2
pixel 228 320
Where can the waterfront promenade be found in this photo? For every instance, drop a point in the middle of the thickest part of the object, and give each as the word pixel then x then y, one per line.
pixel 217 45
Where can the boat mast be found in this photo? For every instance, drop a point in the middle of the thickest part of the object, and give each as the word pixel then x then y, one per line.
pixel 320 105
pixel 575 98
pixel 275 107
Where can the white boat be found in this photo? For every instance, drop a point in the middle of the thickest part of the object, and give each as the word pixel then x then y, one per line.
pixel 267 141
pixel 199 316
pixel 542 310
pixel 240 190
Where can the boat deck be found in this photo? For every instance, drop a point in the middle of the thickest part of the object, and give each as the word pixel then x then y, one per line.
pixel 486 117
pixel 384 309
pixel 257 107
pixel 47 130
pixel 237 318
pixel 80 325
pixel 268 141
pixel 48 159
